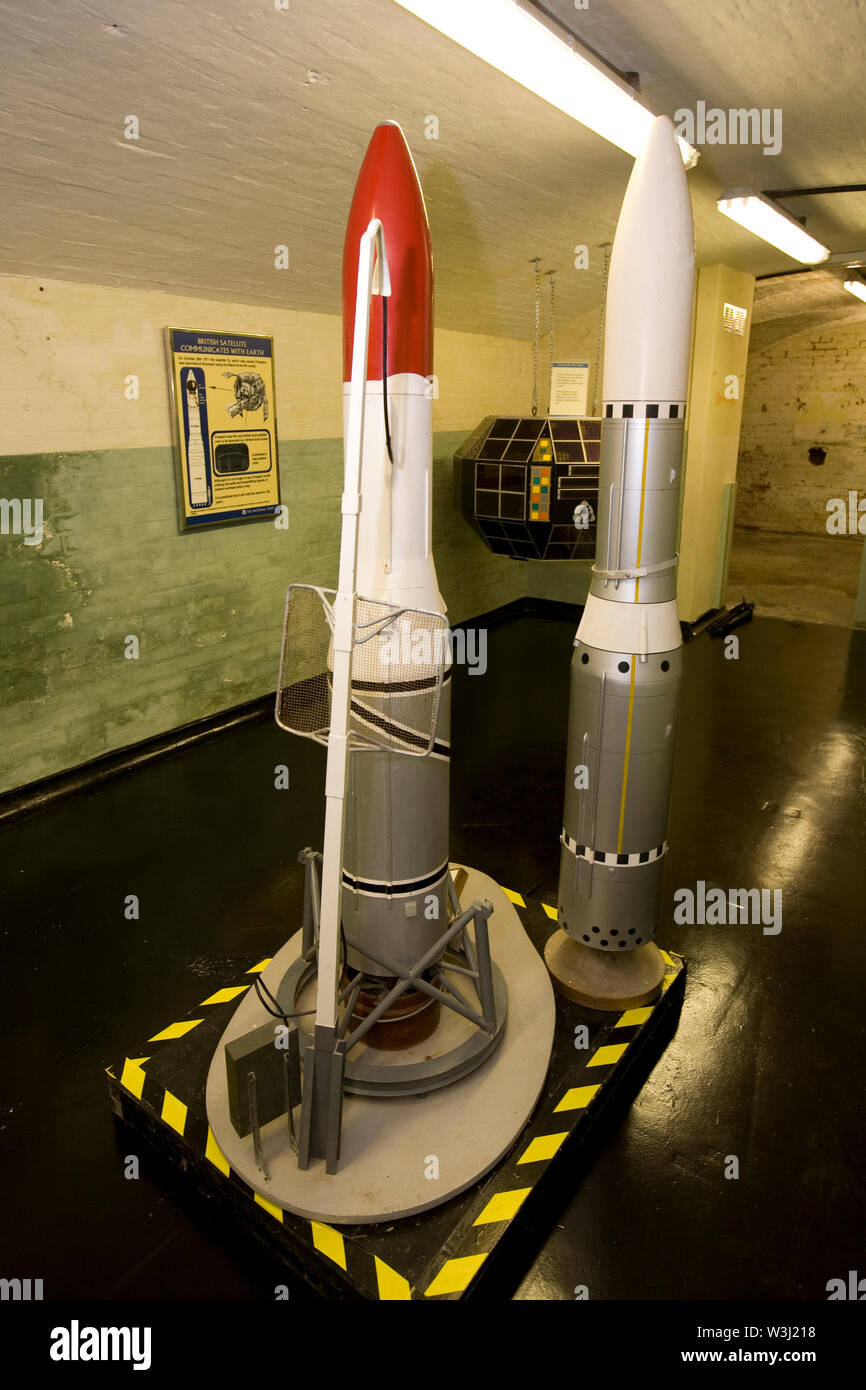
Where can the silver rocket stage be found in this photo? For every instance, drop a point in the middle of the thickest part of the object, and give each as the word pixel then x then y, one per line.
pixel 626 669
pixel 407 945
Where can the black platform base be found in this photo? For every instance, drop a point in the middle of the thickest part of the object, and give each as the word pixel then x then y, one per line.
pixel 478 1243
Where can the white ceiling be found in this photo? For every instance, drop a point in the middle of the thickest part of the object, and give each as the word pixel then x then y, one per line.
pixel 793 303
pixel 241 149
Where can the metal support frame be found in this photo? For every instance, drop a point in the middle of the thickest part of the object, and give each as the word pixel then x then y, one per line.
pixel 406 979
pixel 328 1069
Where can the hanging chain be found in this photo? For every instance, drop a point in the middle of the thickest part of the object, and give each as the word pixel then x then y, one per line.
pixel 605 247
pixel 551 344
pixel 535 260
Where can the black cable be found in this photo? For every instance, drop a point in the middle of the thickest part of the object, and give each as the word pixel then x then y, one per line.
pixel 385 375
pixel 277 1012
pixel 813 192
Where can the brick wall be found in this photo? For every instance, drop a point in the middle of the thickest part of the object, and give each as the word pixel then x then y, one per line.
pixel 802 390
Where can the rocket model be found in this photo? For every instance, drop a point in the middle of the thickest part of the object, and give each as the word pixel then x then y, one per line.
pixel 198 491
pixel 395 860
pixel 626 669
pixel 365 667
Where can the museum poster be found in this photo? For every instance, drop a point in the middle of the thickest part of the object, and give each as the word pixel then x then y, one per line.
pixel 225 425
pixel 569 388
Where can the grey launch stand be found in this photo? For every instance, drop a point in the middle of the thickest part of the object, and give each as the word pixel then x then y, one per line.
pixel 480 1242
pixel 326 1072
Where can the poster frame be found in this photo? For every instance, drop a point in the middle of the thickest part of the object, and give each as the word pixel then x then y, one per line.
pixel 189 521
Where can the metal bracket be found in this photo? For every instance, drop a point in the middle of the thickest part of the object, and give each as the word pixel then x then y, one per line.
pixel 325 1054
pixel 310 931
pixel 322 1100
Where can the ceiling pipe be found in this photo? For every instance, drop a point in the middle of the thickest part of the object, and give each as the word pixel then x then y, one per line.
pixel 836 258
pixel 813 192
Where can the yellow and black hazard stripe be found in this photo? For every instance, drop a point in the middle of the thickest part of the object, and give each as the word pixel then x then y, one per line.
pixel 187 1117
pixel 134 1076
pixel 502 1197
pixel 496 1204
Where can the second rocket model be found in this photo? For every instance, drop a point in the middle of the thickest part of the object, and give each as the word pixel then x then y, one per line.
pixel 626 668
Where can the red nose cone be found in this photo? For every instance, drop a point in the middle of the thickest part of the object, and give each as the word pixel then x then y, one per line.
pixel 388 188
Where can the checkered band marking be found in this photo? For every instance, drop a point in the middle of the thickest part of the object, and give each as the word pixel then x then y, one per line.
pixel 600 856
pixel 644 410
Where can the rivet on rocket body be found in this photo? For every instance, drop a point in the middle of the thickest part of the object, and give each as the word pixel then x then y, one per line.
pixel 626 669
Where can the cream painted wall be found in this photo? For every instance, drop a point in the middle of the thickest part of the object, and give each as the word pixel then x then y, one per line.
pixel 576 339
pixel 69 348
pixel 206 608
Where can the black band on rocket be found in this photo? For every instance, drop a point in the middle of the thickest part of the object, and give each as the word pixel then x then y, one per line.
pixel 612 859
pixel 395 687
pixel 398 732
pixel 395 890
pixel 400 687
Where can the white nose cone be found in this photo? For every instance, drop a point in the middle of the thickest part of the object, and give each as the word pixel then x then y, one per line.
pixel 648 324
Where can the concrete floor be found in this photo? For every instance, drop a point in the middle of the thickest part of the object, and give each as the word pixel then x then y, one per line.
pixel 768 791
pixel 802 577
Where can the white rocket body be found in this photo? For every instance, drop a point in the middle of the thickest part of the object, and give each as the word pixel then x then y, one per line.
pixel 395 878
pixel 626 669
pixel 395 534
pixel 648 316
pixel 395 855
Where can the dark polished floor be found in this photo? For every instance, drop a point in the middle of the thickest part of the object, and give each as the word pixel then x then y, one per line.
pixel 766 1066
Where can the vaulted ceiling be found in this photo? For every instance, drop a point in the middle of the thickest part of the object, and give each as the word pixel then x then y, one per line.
pixel 253 121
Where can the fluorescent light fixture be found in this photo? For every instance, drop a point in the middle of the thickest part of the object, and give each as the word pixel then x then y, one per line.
pixel 512 40
pixel 758 215
pixel 856 287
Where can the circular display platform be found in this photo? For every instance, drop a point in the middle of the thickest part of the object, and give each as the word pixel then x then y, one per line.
pixel 603 979
pixel 404 1154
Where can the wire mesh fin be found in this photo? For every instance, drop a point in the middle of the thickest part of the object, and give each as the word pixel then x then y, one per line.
pixel 399 658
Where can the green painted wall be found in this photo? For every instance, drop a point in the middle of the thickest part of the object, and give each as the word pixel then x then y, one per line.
pixel 207 607
pixel 561 581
